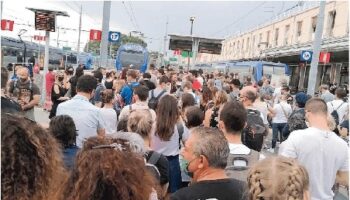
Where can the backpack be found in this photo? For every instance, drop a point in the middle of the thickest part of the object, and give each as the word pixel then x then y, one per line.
pixel 153 102
pixel 335 114
pixel 151 165
pixel 180 130
pixel 253 134
pixel 238 165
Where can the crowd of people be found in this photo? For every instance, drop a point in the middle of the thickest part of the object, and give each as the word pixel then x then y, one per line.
pixel 170 134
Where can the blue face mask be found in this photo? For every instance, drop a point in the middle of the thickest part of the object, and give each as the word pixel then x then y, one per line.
pixel 184 167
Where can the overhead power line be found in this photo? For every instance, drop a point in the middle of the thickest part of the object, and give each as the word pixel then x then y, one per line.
pixel 128 13
pixel 133 15
pixel 239 19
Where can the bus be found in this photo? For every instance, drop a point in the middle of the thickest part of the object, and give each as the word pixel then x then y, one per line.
pixel 132 55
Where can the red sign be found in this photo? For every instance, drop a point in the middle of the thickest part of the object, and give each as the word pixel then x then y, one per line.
pixel 95 35
pixel 177 52
pixel 7 25
pixel 39 38
pixel 325 57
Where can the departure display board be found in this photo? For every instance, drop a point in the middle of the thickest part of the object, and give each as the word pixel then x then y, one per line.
pixel 45 21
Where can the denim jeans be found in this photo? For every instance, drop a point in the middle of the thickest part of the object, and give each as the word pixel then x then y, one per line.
pixel 277 128
pixel 174 173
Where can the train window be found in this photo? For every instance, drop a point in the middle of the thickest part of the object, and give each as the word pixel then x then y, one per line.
pixel 279 70
pixel 267 69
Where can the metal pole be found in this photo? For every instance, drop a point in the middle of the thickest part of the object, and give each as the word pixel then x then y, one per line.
pixel 316 50
pixel 165 39
pixel 105 29
pixel 58 35
pixel 188 58
pixel 46 66
pixel 78 47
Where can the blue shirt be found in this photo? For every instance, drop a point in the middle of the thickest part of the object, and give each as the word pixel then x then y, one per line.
pixel 127 92
pixel 87 117
pixel 69 156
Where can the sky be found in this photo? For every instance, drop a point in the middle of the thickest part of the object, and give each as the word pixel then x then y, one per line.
pixel 214 19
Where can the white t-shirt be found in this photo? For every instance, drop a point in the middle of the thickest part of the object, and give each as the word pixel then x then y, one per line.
pixel 171 147
pixel 342 110
pixel 110 117
pixel 262 108
pixel 242 149
pixel 124 113
pixel 280 117
pixel 322 153
pixel 276 95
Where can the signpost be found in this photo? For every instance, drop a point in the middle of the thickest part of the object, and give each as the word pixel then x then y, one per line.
pixel 113 36
pixel 46 20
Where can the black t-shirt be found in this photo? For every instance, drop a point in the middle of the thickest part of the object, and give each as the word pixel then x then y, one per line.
pixel 9 106
pixel 221 189
pixel 162 166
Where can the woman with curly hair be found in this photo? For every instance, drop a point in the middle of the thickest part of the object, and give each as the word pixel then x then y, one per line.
pixel 108 114
pixel 278 178
pixel 107 169
pixel 31 163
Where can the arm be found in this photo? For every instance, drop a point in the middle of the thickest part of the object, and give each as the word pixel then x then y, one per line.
pixel 207 116
pixel 342 178
pixel 32 103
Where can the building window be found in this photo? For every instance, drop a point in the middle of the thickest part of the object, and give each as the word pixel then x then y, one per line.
pixel 313 24
pixel 260 38
pixel 286 35
pixel 331 22
pixel 247 46
pixel 276 36
pixel 267 39
pixel 299 28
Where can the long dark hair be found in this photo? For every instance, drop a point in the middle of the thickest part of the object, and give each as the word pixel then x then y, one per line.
pixel 167 116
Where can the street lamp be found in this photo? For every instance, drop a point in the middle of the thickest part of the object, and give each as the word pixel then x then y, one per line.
pixel 188 58
pixel 20 33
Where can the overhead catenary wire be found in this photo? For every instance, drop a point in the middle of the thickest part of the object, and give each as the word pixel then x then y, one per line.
pixel 133 15
pixel 239 19
pixel 128 13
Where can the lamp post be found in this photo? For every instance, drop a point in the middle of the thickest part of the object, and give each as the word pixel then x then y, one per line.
pixel 20 33
pixel 188 56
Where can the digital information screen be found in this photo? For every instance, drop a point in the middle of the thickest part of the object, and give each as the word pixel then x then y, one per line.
pixel 45 21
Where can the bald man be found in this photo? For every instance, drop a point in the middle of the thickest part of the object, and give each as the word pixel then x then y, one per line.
pixel 25 92
pixel 255 130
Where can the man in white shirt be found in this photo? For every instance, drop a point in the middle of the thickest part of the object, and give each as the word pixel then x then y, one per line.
pixel 87 117
pixel 325 94
pixel 339 105
pixel 232 120
pixel 140 97
pixel 319 150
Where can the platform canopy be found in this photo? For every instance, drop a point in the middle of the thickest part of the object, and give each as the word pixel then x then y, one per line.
pixel 185 43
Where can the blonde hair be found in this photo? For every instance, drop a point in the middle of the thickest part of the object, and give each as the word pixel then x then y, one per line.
pixel 220 98
pixel 118 85
pixel 277 178
pixel 140 122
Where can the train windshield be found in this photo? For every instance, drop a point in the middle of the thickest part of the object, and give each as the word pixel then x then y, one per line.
pixel 130 57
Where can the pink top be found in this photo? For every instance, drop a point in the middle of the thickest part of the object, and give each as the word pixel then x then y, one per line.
pixel 50 79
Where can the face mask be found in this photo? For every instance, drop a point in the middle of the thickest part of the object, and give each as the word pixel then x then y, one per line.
pixel 60 79
pixel 184 167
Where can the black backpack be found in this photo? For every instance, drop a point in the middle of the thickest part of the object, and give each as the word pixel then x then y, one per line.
pixel 153 102
pixel 151 165
pixel 253 134
pixel 335 114
pixel 238 165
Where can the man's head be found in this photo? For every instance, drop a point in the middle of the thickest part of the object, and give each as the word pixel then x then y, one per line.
pixel 300 99
pixel 102 70
pixel 63 129
pixel 164 82
pixel 98 75
pixel 187 86
pixel 194 116
pixel 324 88
pixel 22 74
pixel 315 108
pixel 340 93
pixel 205 150
pixel 131 75
pixel 232 118
pixel 146 76
pixel 4 77
pixel 86 84
pixel 284 89
pixel 141 93
pixel 247 95
pixel 140 122
pixel 235 84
